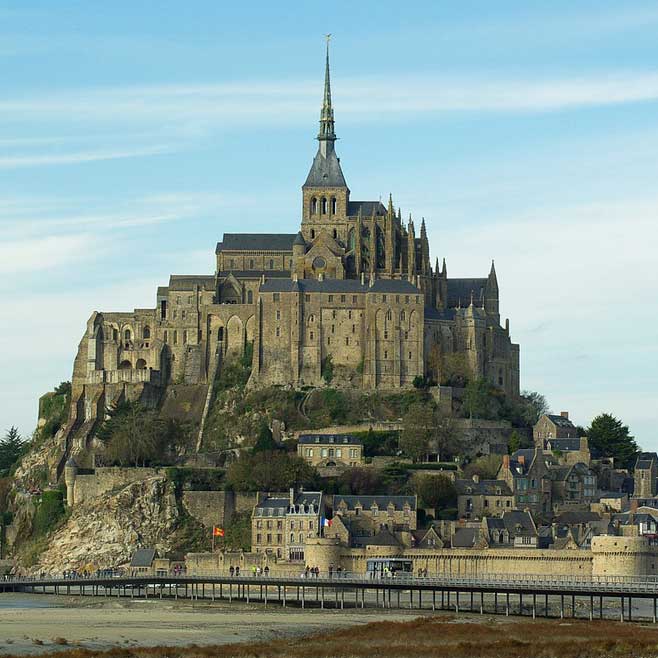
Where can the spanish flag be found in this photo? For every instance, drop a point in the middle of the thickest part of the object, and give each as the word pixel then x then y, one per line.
pixel 217 532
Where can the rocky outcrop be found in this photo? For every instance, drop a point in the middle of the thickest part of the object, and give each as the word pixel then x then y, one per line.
pixel 104 532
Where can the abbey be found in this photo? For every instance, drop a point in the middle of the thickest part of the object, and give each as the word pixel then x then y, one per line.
pixel 351 297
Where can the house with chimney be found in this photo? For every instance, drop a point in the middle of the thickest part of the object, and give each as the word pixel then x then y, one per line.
pixel 526 474
pixel 558 436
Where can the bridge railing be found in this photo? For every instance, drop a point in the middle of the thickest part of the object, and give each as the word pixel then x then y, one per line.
pixel 491 582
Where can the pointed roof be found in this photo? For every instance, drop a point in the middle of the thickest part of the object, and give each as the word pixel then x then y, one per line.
pixel 299 240
pixel 325 170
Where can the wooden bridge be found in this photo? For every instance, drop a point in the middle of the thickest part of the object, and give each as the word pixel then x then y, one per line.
pixel 535 596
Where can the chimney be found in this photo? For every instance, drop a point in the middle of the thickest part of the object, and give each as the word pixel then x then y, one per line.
pixel 564 414
pixel 476 478
pixel 522 460
pixel 363 278
pixel 292 496
pixel 506 461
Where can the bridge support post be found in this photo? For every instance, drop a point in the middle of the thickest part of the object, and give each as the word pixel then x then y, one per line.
pixel 630 608
pixel 622 609
pixel 363 598
pixel 322 599
pixel 284 596
pixel 534 606
pixel 600 607
pixel 248 591
pixel 481 603
pixel 561 606
pixel 303 596
pixel 654 611
pixel 507 605
pixel 433 599
pixel 520 604
pixel 573 606
pixel 471 610
pixel 546 605
pixel 266 596
pixel 342 598
pixel 411 599
pixel 591 608
pixel 495 603
pixel 457 602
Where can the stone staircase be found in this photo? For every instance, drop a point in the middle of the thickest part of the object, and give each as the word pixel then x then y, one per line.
pixel 215 365
pixel 192 373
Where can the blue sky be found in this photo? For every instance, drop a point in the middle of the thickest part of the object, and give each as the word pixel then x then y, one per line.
pixel 133 134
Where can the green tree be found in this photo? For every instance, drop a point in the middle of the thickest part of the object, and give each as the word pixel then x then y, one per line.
pixel 135 436
pixel 534 406
pixel 264 441
pixel 435 491
pixel 417 431
pixel 609 437
pixel 482 400
pixel 12 448
pixel 360 482
pixel 270 471
pixel 486 467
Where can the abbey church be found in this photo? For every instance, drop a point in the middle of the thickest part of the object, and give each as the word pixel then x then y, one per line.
pixel 351 296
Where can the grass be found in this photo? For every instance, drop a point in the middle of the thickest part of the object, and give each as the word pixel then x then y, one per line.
pixel 440 637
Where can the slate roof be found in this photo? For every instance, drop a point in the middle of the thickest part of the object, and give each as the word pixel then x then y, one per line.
pixel 391 286
pixel 256 242
pixel 382 501
pixel 367 208
pixel 189 281
pixel 439 314
pixel 483 487
pixel 143 557
pixel 394 286
pixel 325 172
pixel 564 445
pixel 383 538
pixel 560 421
pixel 278 505
pixel 459 291
pixel 573 518
pixel 255 274
pixel 465 537
pixel 644 460
pixel 338 439
pixel 516 522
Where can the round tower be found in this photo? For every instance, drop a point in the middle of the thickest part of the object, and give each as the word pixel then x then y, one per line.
pixel 322 552
pixel 70 474
pixel 622 556
pixel 299 246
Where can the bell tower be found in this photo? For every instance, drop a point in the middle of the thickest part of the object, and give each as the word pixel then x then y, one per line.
pixel 325 195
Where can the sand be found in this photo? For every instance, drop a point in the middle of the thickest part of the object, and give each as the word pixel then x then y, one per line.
pixel 101 625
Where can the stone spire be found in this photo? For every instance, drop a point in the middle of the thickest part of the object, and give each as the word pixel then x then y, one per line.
pixel 327 134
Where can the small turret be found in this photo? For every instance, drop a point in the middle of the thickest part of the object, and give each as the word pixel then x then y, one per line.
pixel 70 475
pixel 299 246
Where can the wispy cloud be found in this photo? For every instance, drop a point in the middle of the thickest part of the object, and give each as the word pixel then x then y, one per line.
pixel 78 157
pixel 286 101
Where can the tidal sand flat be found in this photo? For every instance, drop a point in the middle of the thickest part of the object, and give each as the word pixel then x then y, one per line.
pixel 27 627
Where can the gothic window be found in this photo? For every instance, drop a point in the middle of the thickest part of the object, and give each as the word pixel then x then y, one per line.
pixel 125 365
pixel 379 247
pixel 353 328
pixel 351 240
pixel 250 297
pixel 347 340
pixel 175 337
pixel 324 206
pixel 311 318
pixel 166 336
pixel 163 309
pixel 183 314
pixel 402 316
pixel 184 337
pixel 389 315
pixel 335 234
pixel 333 206
pixel 386 354
pixel 147 332
pixel 314 206
pixel 220 334
pixel 141 364
pixel 115 335
pixel 126 334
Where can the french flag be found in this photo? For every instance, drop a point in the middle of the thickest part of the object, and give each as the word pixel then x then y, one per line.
pixel 326 523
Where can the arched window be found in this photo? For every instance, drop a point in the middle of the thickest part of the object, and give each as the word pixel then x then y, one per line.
pixel 126 334
pixel 166 336
pixel 314 206
pixel 324 206
pixel 312 234
pixel 250 297
pixel 147 332
pixel 333 205
pixel 311 318
pixel 185 337
pixel 220 334
pixel 335 234
pixel 141 364
pixel 115 335
pixel 125 365
pixel 402 316
pixel 292 537
pixel 389 315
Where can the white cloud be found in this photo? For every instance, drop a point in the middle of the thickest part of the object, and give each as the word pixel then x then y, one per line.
pixel 34 255
pixel 282 101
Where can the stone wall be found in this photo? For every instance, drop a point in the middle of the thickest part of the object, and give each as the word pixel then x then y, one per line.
pixel 217 507
pixel 102 480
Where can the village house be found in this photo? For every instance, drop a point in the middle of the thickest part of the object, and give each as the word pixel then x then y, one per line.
pixel 477 498
pixel 330 450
